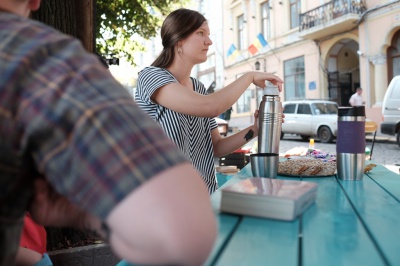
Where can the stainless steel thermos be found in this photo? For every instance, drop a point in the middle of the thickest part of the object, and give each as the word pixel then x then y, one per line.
pixel 269 120
pixel 350 143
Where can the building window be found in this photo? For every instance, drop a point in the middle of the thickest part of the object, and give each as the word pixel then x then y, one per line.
pixel 243 103
pixel 393 56
pixel 295 8
pixel 294 79
pixel 240 32
pixel 209 63
pixel 207 78
pixel 265 20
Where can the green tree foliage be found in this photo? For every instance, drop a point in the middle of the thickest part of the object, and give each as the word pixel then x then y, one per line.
pixel 121 23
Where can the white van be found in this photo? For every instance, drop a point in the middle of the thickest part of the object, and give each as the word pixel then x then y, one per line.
pixel 391 110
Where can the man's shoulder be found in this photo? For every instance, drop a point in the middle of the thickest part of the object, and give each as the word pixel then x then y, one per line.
pixel 29 42
pixel 20 29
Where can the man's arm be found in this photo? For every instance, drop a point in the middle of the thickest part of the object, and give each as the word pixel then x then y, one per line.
pixel 27 257
pixel 351 101
pixel 168 220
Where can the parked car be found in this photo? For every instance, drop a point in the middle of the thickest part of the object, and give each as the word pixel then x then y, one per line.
pixel 391 110
pixel 222 126
pixel 311 118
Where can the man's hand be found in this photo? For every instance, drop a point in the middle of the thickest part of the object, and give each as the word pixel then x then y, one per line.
pixel 52 209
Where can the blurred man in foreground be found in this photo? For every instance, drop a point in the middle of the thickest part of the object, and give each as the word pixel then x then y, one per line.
pixel 104 165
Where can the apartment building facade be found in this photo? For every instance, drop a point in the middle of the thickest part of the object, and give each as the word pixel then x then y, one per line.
pixel 321 49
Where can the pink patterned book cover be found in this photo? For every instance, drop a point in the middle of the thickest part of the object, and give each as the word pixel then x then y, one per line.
pixel 269 198
pixel 290 189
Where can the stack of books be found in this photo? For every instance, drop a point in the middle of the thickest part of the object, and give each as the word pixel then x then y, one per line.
pixel 269 198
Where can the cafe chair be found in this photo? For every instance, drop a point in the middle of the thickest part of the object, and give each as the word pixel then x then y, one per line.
pixel 371 128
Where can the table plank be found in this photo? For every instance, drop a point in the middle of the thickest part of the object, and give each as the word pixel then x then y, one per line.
pixel 226 222
pixel 265 240
pixel 387 179
pixel 226 225
pixel 332 232
pixel 379 211
pixel 259 241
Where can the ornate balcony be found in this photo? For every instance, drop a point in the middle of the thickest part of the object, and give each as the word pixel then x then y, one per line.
pixel 333 17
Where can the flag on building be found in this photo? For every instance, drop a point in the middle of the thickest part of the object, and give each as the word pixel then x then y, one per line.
pixel 232 52
pixel 253 49
pixel 258 43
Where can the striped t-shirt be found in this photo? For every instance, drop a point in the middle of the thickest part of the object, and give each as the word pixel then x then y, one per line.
pixel 191 134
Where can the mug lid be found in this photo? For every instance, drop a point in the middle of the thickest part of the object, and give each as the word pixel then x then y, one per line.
pixel 351 111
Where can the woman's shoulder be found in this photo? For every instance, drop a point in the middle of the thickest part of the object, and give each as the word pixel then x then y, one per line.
pixel 155 75
pixel 152 70
pixel 198 85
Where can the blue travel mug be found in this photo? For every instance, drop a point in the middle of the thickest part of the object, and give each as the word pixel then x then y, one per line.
pixel 350 143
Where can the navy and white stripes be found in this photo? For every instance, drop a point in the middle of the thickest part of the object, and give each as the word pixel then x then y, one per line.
pixel 191 134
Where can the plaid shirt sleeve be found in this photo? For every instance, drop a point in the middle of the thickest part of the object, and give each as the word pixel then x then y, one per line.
pixel 81 128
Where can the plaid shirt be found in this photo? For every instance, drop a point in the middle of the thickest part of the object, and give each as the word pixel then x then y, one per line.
pixel 63 116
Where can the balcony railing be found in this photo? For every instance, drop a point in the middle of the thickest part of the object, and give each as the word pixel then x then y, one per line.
pixel 330 11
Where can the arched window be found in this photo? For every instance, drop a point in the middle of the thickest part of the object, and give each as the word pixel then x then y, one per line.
pixel 393 56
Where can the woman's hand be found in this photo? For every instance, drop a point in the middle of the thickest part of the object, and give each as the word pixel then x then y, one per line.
pixel 259 79
pixel 255 126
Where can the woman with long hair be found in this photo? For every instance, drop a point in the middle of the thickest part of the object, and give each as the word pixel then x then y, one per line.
pixel 180 103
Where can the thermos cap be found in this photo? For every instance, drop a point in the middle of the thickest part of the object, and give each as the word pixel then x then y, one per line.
pixel 351 111
pixel 270 89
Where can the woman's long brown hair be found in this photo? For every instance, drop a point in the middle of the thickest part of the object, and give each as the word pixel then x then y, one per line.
pixel 178 25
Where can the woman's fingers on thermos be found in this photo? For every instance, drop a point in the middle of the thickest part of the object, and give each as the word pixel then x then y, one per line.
pixel 278 79
pixel 260 78
pixel 278 83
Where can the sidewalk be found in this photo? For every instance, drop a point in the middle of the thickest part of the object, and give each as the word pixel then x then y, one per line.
pixel 381 137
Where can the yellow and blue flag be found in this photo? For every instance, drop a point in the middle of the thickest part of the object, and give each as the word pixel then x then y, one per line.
pixel 232 52
pixel 258 43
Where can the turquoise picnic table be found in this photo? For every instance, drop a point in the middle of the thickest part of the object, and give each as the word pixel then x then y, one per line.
pixel 351 223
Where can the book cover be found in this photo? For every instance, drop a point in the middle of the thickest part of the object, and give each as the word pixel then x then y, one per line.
pixel 269 198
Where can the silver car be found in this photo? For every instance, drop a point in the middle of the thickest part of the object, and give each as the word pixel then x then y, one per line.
pixel 311 118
